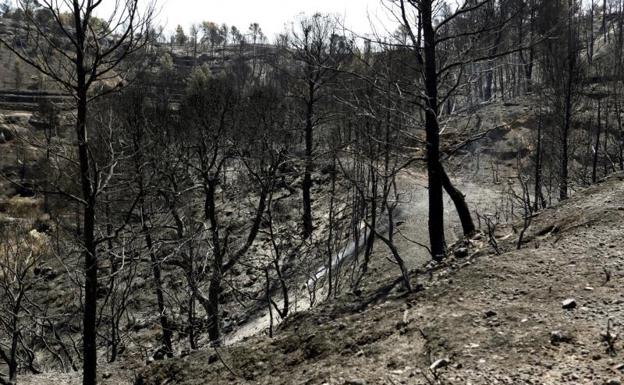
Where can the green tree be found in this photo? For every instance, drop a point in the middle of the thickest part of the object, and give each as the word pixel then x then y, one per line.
pixel 180 36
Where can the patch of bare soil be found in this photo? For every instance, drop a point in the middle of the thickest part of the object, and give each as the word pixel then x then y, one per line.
pixel 546 314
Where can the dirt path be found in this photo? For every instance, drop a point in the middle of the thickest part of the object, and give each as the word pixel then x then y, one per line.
pixel 412 214
pixel 412 185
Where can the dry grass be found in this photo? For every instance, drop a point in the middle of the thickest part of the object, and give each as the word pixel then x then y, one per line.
pixel 22 207
pixel 20 249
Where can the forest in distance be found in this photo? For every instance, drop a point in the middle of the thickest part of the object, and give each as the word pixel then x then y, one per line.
pixel 214 206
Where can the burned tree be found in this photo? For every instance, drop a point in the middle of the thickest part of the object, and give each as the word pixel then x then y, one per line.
pixel 318 53
pixel 561 56
pixel 440 76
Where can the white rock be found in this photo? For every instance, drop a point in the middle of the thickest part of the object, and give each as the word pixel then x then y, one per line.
pixel 442 362
pixel 569 303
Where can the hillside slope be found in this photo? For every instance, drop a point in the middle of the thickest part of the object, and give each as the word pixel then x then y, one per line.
pixel 490 319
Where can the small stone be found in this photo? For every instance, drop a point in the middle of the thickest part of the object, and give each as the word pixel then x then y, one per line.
pixel 614 381
pixel 569 304
pixel 107 375
pixel 557 337
pixel 619 368
pixel 441 363
pixel 461 252
pixel 589 288
pixel 489 313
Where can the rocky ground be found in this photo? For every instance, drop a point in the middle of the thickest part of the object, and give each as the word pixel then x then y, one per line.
pixel 546 314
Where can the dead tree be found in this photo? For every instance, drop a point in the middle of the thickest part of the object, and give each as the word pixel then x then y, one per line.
pixel 427 36
pixel 221 134
pixel 141 131
pixel 561 58
pixel 316 49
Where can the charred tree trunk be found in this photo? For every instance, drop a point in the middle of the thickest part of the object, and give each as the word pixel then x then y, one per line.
pixel 114 329
pixel 563 165
pixel 527 63
pixel 539 196
pixel 489 80
pixel 156 272
pixel 330 235
pixel 191 321
pixel 307 176
pixel 620 134
pixel 596 146
pixel 89 243
pixel 434 169
pixel 461 206
pixel 605 142
pixel 214 289
pixel 10 357
pixel 567 122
